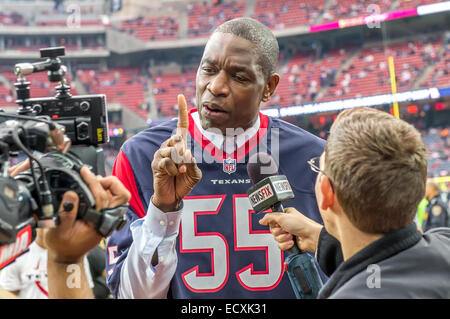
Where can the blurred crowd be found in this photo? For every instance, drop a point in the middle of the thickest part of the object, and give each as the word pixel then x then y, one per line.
pixel 204 16
pixel 437 141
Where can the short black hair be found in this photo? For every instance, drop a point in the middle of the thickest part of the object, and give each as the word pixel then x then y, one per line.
pixel 260 35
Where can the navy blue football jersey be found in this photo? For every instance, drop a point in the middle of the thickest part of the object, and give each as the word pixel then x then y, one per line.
pixel 223 252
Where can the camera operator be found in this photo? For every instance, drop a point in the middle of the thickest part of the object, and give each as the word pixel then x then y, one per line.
pixel 69 242
pixel 44 129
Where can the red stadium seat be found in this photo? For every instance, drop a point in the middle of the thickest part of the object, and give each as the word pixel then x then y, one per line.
pixel 121 85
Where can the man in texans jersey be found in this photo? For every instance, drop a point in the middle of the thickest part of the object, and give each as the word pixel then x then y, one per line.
pixel 188 238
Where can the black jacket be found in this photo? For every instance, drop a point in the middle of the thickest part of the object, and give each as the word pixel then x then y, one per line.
pixel 402 264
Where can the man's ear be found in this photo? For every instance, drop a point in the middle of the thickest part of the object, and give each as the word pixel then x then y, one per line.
pixel 327 193
pixel 270 87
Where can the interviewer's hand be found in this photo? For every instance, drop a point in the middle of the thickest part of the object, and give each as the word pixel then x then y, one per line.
pixel 175 171
pixel 292 222
pixel 73 238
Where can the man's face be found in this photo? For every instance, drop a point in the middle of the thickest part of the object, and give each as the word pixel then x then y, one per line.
pixel 230 83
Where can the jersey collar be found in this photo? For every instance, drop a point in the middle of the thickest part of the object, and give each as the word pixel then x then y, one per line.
pixel 213 142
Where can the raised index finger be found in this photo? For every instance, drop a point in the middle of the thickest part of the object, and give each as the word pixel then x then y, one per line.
pixel 183 121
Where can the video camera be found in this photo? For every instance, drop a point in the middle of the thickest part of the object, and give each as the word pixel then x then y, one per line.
pixel 45 129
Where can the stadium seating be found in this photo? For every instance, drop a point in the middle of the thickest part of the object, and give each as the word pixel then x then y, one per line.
pixel 11 18
pixel 166 87
pixel 440 75
pixel 121 85
pixel 410 4
pixel 203 18
pixel 39 85
pixel 58 20
pixel 437 142
pixel 6 96
pixel 151 29
pixel 369 72
pixel 355 8
pixel 287 14
pixel 303 76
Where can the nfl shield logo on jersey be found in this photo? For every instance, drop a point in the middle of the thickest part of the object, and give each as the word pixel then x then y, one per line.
pixel 229 165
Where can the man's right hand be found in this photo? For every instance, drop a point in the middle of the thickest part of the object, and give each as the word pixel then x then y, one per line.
pixel 175 171
pixel 292 222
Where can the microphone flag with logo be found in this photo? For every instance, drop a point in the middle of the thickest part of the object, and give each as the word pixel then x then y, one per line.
pixel 269 191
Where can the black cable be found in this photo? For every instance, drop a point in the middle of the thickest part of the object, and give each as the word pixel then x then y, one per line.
pixel 4 151
pixel 46 190
pixel 16 139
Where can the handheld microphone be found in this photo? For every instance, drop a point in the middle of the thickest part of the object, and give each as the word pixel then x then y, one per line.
pixel 270 190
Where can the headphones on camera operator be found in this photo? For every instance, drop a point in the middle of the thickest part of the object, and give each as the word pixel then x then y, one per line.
pixel 59 135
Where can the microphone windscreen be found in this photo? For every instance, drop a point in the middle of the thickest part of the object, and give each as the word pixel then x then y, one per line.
pixel 260 166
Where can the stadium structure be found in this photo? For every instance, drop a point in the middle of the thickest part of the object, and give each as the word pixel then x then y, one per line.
pixel 392 55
